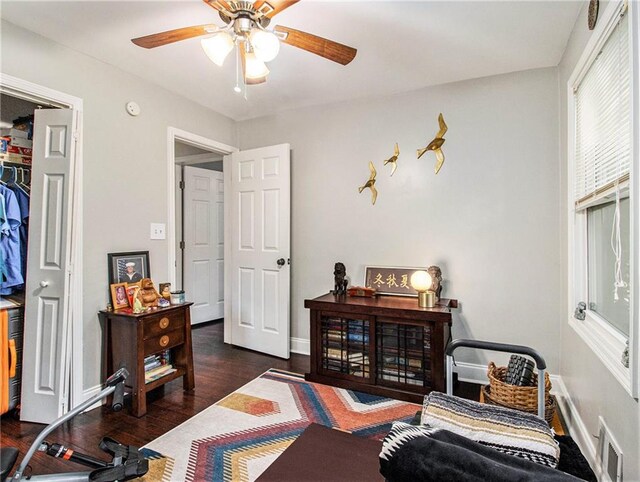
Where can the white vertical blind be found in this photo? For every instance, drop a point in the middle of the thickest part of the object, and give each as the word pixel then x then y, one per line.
pixel 603 120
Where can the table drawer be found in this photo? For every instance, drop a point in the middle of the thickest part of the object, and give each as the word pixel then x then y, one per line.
pixel 162 323
pixel 164 341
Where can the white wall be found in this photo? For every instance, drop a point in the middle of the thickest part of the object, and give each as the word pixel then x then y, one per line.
pixel 594 391
pixel 125 159
pixel 489 219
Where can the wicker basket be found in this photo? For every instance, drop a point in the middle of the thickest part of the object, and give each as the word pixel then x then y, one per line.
pixel 549 410
pixel 521 398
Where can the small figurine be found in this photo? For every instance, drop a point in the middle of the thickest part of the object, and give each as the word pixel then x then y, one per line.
pixel 137 306
pixel 340 283
pixel 393 160
pixel 581 311
pixel 436 279
pixel 436 144
pixel 371 184
pixel 148 294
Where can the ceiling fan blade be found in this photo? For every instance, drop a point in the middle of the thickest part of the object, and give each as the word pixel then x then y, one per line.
pixel 170 36
pixel 219 5
pixel 247 80
pixel 272 7
pixel 328 49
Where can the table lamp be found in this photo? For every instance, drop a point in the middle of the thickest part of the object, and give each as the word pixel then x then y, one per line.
pixel 421 282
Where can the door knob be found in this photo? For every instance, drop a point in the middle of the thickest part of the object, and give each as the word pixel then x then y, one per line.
pixel 44 284
pixel 281 262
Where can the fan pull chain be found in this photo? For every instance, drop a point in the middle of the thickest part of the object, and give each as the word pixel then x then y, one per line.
pixel 237 87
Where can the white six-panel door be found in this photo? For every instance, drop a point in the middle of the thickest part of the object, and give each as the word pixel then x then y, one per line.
pixel 204 243
pixel 260 248
pixel 46 327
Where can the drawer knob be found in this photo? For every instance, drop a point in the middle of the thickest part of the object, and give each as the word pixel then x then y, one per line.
pixel 164 341
pixel 164 322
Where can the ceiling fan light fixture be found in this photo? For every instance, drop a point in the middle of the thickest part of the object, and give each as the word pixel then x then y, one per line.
pixel 266 45
pixel 255 68
pixel 217 47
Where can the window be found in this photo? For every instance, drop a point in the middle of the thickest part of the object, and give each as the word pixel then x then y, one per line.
pixel 601 264
pixel 600 167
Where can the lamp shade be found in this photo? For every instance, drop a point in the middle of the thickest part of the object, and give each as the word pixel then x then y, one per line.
pixel 265 44
pixel 421 281
pixel 255 68
pixel 217 47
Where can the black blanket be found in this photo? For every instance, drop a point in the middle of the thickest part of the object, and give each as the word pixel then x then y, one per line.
pixel 445 456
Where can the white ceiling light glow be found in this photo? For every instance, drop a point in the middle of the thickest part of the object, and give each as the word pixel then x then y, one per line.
pixel 217 47
pixel 259 45
pixel 255 68
pixel 265 44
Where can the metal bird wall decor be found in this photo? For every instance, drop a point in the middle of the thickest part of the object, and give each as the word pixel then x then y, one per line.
pixel 394 159
pixel 436 144
pixel 371 184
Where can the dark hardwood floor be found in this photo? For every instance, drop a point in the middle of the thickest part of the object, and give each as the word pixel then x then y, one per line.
pixel 219 369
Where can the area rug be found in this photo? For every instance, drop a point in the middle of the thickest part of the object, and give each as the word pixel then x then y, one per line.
pixel 237 438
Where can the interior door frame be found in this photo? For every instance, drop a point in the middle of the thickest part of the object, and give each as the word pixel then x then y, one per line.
pixel 174 134
pixel 26 90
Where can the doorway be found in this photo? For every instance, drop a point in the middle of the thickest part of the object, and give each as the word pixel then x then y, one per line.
pixel 195 229
pixel 53 274
pixel 200 230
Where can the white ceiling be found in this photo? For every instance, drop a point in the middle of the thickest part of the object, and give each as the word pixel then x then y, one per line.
pixel 402 46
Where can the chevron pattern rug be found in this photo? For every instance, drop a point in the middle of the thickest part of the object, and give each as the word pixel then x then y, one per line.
pixel 237 438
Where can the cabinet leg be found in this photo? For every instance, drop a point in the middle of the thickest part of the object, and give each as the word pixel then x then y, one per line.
pixel 139 403
pixel 188 381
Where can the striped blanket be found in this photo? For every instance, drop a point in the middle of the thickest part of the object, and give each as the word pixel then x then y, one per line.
pixel 509 431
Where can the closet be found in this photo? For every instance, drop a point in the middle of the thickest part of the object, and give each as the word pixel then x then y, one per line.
pixel 16 145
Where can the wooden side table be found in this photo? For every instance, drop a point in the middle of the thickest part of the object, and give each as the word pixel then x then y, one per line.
pixel 128 338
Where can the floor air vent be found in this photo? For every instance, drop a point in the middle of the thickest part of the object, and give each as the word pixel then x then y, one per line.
pixel 609 454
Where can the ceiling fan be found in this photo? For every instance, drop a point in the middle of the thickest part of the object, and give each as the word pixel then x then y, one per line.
pixel 246 28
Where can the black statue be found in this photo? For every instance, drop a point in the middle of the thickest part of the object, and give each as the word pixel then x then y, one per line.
pixel 340 283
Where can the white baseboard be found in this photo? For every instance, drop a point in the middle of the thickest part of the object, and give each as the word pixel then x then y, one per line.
pixel 576 426
pixel 471 372
pixel 475 373
pixel 300 346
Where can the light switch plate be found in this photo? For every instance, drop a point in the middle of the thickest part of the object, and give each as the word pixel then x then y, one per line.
pixel 158 231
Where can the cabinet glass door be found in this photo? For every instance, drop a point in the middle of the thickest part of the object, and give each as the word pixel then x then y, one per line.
pixel 345 346
pixel 403 355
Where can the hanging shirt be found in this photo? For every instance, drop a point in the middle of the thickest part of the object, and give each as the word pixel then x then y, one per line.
pixel 23 204
pixel 10 242
pixel 3 220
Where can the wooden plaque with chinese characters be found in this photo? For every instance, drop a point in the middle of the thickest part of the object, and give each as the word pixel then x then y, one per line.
pixel 391 281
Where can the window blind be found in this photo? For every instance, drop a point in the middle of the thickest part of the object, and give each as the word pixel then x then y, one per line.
pixel 603 120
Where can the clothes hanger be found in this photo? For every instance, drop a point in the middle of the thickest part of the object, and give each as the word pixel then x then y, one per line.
pixel 13 181
pixel 25 187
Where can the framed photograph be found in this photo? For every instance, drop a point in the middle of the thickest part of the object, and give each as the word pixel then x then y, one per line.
pixel 165 290
pixel 132 292
pixel 119 297
pixel 128 267
pixel 390 281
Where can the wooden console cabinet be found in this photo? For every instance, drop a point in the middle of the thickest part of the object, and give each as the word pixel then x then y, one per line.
pixel 128 338
pixel 386 345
